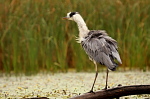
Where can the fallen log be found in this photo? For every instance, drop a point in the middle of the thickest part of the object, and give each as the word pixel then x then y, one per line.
pixel 116 92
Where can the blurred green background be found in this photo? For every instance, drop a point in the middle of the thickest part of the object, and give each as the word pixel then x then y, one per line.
pixel 34 38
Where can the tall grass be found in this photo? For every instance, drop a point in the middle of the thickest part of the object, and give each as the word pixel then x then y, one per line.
pixel 34 38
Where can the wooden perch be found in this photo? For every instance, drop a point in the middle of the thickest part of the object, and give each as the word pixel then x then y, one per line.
pixel 116 92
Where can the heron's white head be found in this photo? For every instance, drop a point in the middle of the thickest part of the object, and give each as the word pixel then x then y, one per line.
pixel 75 16
pixel 72 16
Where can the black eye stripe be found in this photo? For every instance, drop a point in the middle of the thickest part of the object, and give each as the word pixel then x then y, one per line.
pixel 72 13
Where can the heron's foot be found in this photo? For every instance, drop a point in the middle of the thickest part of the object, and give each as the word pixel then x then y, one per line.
pixel 105 88
pixel 91 91
pixel 119 85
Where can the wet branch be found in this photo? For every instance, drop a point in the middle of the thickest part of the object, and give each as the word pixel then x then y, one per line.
pixel 116 92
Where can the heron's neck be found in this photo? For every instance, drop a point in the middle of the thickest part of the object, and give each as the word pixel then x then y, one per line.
pixel 83 29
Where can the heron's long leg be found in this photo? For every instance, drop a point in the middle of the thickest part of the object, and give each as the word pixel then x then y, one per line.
pixel 106 79
pixel 95 77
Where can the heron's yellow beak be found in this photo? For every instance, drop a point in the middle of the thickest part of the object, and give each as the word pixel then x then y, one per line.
pixel 65 18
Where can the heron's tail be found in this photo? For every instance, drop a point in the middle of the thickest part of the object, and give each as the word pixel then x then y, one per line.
pixel 114 64
pixel 113 68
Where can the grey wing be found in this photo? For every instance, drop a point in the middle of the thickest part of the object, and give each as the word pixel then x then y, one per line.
pixel 102 49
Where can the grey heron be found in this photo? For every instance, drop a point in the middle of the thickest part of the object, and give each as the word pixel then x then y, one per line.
pixel 97 44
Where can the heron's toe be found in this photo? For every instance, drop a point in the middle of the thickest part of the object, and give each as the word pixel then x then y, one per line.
pixel 91 91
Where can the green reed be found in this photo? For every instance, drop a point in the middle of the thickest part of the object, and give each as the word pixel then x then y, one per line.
pixel 34 37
